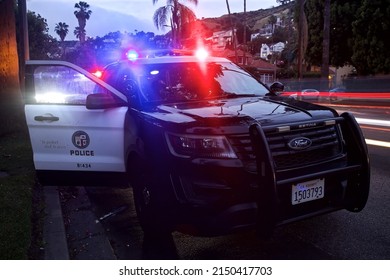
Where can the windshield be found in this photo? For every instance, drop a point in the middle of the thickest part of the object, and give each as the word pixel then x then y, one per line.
pixel 178 82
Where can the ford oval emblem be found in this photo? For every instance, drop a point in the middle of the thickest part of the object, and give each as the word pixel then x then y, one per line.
pixel 299 143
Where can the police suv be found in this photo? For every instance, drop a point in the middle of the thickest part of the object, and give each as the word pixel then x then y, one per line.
pixel 206 147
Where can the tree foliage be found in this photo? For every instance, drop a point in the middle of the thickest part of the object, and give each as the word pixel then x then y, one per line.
pixel 62 29
pixel 342 15
pixel 371 29
pixel 175 15
pixel 78 32
pixel 82 14
pixel 358 34
pixel 42 45
pixel 314 10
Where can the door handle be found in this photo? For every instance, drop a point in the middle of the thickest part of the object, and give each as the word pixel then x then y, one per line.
pixel 46 117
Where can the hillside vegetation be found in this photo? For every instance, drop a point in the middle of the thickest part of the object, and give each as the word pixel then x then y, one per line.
pixel 255 20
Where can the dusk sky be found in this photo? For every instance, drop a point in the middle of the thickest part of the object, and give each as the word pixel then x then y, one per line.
pixel 129 15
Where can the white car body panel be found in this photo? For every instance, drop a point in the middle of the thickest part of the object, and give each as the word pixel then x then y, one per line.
pixel 70 137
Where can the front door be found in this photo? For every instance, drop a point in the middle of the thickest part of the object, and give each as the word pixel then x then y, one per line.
pixel 72 144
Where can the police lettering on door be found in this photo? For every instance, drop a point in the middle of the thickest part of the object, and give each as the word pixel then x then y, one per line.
pixel 80 139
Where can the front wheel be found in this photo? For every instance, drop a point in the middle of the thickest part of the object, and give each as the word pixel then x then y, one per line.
pixel 150 200
pixel 153 216
pixel 143 205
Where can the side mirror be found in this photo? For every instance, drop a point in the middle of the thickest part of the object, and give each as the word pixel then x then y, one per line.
pixel 276 88
pixel 102 101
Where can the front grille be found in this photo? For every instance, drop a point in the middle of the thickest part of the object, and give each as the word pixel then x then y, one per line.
pixel 325 145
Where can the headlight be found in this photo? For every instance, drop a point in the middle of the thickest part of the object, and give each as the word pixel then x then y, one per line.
pixel 199 146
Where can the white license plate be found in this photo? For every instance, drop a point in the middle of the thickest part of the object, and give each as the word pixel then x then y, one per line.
pixel 307 191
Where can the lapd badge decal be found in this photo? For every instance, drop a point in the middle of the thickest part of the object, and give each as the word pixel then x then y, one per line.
pixel 80 139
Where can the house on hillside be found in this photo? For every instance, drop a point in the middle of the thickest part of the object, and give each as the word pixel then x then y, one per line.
pixel 239 56
pixel 278 47
pixel 263 70
pixel 268 29
pixel 267 50
pixel 220 39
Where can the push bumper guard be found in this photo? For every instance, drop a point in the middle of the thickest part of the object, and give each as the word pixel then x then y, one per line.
pixel 358 168
pixel 359 182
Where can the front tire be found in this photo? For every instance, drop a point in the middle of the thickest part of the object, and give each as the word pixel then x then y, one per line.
pixel 152 212
pixel 150 199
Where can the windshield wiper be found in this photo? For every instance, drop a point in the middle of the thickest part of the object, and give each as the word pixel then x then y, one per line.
pixel 236 95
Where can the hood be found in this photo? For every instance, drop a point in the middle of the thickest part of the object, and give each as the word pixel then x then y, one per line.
pixel 265 110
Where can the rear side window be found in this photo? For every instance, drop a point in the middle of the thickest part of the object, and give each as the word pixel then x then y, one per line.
pixel 123 79
pixel 62 85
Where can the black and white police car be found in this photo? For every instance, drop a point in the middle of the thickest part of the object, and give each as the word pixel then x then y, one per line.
pixel 206 147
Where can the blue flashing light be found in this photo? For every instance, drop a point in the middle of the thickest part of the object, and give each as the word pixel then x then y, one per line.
pixel 132 55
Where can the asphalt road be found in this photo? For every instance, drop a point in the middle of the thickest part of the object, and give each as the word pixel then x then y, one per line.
pixel 334 236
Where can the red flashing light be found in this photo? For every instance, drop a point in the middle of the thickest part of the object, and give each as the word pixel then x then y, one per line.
pixel 98 73
pixel 201 54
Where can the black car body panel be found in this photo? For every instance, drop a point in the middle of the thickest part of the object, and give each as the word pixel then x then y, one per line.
pixel 205 165
pixel 218 195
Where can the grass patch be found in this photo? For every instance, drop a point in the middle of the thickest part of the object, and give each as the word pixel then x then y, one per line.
pixel 20 197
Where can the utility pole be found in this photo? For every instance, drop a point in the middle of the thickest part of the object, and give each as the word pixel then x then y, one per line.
pixel 301 37
pixel 23 30
pixel 244 40
pixel 325 43
pixel 22 8
pixel 233 32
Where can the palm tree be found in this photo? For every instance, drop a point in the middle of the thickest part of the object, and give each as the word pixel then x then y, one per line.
pixel 272 20
pixel 78 32
pixel 82 14
pixel 177 14
pixel 62 30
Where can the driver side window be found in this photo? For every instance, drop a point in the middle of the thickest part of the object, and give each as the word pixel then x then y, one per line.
pixel 61 85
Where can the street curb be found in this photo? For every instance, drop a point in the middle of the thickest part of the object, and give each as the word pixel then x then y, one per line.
pixel 83 239
pixel 87 238
pixel 54 235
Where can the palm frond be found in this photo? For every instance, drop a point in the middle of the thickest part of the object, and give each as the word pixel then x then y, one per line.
pixel 186 15
pixel 161 16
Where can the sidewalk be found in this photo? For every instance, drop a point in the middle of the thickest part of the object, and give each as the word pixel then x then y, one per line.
pixel 85 239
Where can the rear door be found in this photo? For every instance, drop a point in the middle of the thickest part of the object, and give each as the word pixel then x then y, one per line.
pixel 72 144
